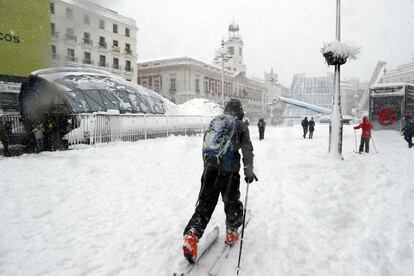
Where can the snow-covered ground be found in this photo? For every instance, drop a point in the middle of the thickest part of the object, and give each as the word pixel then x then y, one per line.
pixel 120 209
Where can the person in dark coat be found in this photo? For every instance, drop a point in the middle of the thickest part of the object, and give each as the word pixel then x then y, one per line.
pixel 305 125
pixel 408 129
pixel 262 125
pixel 311 128
pixel 5 134
pixel 366 127
pixel 218 180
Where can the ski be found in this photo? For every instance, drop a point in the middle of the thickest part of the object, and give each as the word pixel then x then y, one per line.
pixel 185 266
pixel 224 253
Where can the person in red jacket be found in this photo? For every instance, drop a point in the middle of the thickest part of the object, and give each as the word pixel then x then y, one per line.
pixel 366 134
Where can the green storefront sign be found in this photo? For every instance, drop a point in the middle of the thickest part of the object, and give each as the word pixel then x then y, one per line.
pixel 24 36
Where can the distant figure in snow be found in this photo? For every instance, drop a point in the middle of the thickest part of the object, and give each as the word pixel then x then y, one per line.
pixel 408 129
pixel 311 127
pixel 226 135
pixel 246 121
pixel 5 134
pixel 38 132
pixel 261 125
pixel 366 134
pixel 305 125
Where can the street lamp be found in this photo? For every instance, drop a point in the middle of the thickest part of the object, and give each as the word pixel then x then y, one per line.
pixel 221 54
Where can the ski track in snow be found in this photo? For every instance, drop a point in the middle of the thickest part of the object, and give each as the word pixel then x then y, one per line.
pixel 120 209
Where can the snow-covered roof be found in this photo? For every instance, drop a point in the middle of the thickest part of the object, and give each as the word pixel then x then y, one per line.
pixel 389 84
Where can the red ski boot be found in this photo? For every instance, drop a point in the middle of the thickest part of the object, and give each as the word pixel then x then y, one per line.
pixel 232 236
pixel 190 246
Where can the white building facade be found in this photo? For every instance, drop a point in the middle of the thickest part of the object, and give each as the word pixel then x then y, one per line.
pixel 403 73
pixel 86 34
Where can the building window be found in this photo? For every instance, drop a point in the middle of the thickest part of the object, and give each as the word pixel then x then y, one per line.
pixel 231 50
pixel 173 86
pixel 157 85
pixel 128 50
pixel 197 86
pixel 127 34
pixel 53 29
pixel 115 64
pixel 102 24
pixel 102 42
pixel 87 38
pixel 70 34
pixel 115 28
pixel 115 43
pixel 70 55
pixel 54 55
pixel 102 61
pixel 87 58
pixel 52 8
pixel 86 19
pixel 240 52
pixel 69 13
pixel 128 66
pixel 205 86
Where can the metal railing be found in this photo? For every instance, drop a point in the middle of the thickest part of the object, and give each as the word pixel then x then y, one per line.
pixel 104 128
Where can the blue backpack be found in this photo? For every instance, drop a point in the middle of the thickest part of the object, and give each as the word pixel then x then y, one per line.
pixel 217 145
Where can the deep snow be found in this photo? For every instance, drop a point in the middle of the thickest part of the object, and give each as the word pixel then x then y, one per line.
pixel 120 209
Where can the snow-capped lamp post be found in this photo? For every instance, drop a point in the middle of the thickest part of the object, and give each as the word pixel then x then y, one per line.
pixel 336 53
pixel 221 54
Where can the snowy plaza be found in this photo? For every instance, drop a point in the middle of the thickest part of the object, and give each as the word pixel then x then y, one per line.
pixel 120 208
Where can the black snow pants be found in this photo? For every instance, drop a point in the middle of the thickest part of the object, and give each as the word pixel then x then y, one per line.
pixel 213 183
pixel 310 134
pixel 409 138
pixel 305 131
pixel 364 141
pixel 261 133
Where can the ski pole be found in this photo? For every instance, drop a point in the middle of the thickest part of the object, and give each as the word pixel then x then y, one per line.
pixel 244 220
pixel 355 141
pixel 373 142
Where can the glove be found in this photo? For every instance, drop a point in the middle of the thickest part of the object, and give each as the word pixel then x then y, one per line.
pixel 249 175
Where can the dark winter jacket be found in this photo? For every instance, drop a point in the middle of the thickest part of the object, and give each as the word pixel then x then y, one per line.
pixel 5 131
pixel 408 129
pixel 366 128
pixel 311 125
pixel 305 123
pixel 261 124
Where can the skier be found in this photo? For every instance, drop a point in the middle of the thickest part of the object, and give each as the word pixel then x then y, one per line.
pixel 262 125
pixel 408 129
pixel 221 175
pixel 366 134
pixel 311 128
pixel 305 125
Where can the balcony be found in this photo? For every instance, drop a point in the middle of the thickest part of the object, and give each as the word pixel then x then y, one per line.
pixel 128 51
pixel 102 44
pixel 55 35
pixel 71 59
pixel 87 42
pixel 70 37
pixel 116 66
pixel 102 64
pixel 88 61
pixel 116 49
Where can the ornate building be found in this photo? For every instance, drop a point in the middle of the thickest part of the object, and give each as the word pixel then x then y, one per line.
pixel 182 79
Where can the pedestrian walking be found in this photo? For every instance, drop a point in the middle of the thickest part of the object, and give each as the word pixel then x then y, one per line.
pixel 408 129
pixel 5 135
pixel 311 128
pixel 261 125
pixel 366 127
pixel 38 132
pixel 226 135
pixel 305 125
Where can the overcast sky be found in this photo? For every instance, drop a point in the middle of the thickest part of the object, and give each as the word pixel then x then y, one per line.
pixel 284 34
